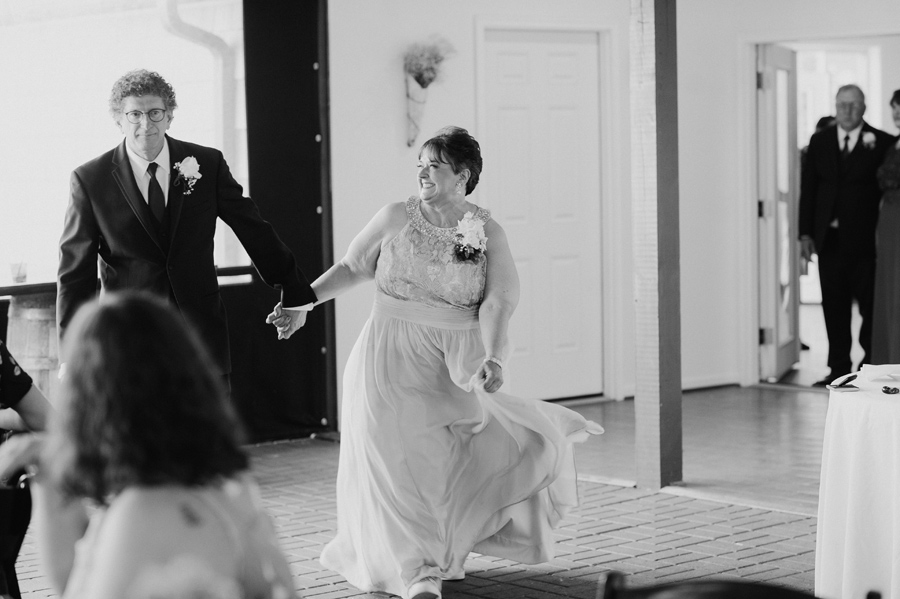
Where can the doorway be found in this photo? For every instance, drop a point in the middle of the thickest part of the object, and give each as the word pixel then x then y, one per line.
pixel 821 68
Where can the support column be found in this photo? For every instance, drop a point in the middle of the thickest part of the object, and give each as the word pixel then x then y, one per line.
pixel 654 168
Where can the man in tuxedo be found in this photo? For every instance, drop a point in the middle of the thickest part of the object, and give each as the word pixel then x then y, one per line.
pixel 148 208
pixel 839 198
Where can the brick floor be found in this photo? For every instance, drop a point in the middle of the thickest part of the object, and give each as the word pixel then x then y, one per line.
pixel 652 537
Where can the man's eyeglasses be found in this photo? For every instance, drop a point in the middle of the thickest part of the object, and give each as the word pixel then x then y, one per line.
pixel 848 105
pixel 156 115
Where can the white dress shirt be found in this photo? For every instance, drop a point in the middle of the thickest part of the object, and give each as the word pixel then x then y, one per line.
pixel 854 137
pixel 142 177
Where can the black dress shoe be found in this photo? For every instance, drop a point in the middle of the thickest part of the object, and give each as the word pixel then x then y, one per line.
pixel 829 379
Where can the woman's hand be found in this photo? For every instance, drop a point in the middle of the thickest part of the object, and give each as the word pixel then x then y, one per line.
pixel 491 375
pixel 20 452
pixel 286 321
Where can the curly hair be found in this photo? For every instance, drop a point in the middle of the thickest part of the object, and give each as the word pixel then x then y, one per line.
pixel 137 83
pixel 454 146
pixel 140 405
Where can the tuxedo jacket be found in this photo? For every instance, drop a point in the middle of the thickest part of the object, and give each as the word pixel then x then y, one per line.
pixel 843 188
pixel 109 227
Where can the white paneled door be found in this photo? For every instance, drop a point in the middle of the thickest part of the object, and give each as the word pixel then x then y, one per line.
pixel 779 252
pixel 541 144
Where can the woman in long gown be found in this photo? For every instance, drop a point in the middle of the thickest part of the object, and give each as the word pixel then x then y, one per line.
pixel 886 309
pixel 435 462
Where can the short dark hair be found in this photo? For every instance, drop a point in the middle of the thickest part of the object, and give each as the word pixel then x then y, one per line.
pixel 460 150
pixel 141 403
pixel 137 83
pixel 895 99
pixel 825 121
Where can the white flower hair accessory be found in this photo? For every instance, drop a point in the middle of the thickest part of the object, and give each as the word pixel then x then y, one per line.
pixel 868 139
pixel 189 172
pixel 470 238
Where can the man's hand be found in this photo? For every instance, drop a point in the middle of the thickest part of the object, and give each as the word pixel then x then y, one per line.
pixel 286 321
pixel 807 248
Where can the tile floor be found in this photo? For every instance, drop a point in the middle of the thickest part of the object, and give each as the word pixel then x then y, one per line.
pixel 745 510
pixel 760 445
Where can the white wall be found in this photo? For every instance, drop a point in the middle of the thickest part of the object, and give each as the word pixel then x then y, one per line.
pixel 63 59
pixel 716 62
pixel 373 166
pixel 716 123
pixel 890 79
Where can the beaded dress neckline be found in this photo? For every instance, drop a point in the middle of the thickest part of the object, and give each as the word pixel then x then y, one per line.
pixel 418 220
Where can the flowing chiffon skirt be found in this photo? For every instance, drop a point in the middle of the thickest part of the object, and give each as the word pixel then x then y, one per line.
pixel 432 466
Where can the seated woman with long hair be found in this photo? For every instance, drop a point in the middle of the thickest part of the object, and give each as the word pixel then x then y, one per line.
pixel 146 442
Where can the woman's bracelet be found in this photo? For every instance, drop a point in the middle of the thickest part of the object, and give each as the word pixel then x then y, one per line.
pixel 493 359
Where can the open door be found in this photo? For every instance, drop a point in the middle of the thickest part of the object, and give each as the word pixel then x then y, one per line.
pixel 778 185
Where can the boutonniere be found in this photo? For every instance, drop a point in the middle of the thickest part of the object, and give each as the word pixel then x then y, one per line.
pixel 868 139
pixel 470 238
pixel 189 172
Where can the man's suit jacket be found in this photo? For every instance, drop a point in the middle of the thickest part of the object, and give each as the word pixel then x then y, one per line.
pixel 108 218
pixel 843 188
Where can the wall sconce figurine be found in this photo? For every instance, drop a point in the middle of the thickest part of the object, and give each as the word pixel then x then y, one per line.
pixel 420 63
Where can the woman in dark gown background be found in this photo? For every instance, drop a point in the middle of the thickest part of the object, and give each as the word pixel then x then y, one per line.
pixel 886 313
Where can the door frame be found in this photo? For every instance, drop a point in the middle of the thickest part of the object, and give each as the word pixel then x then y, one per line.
pixel 616 284
pixel 747 261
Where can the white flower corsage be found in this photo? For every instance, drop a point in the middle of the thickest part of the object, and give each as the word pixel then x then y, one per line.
pixel 868 139
pixel 470 238
pixel 189 172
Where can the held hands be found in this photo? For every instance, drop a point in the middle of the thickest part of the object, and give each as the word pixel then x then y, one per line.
pixel 491 374
pixel 286 321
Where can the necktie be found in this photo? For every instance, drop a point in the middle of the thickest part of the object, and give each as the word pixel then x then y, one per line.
pixel 845 151
pixel 155 197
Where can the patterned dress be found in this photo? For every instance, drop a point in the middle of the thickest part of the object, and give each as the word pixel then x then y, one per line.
pixel 257 570
pixel 432 467
pixel 14 382
pixel 15 504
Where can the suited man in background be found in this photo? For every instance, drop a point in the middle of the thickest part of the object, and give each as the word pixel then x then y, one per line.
pixel 148 208
pixel 839 199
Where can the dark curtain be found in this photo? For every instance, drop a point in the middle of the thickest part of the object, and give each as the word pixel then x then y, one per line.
pixel 286 389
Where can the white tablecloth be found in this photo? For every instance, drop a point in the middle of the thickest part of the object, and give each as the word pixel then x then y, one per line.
pixel 858 529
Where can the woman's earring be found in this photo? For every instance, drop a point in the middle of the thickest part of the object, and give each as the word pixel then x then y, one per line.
pixel 459 186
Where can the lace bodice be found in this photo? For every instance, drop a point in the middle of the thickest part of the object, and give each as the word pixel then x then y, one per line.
pixel 419 264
